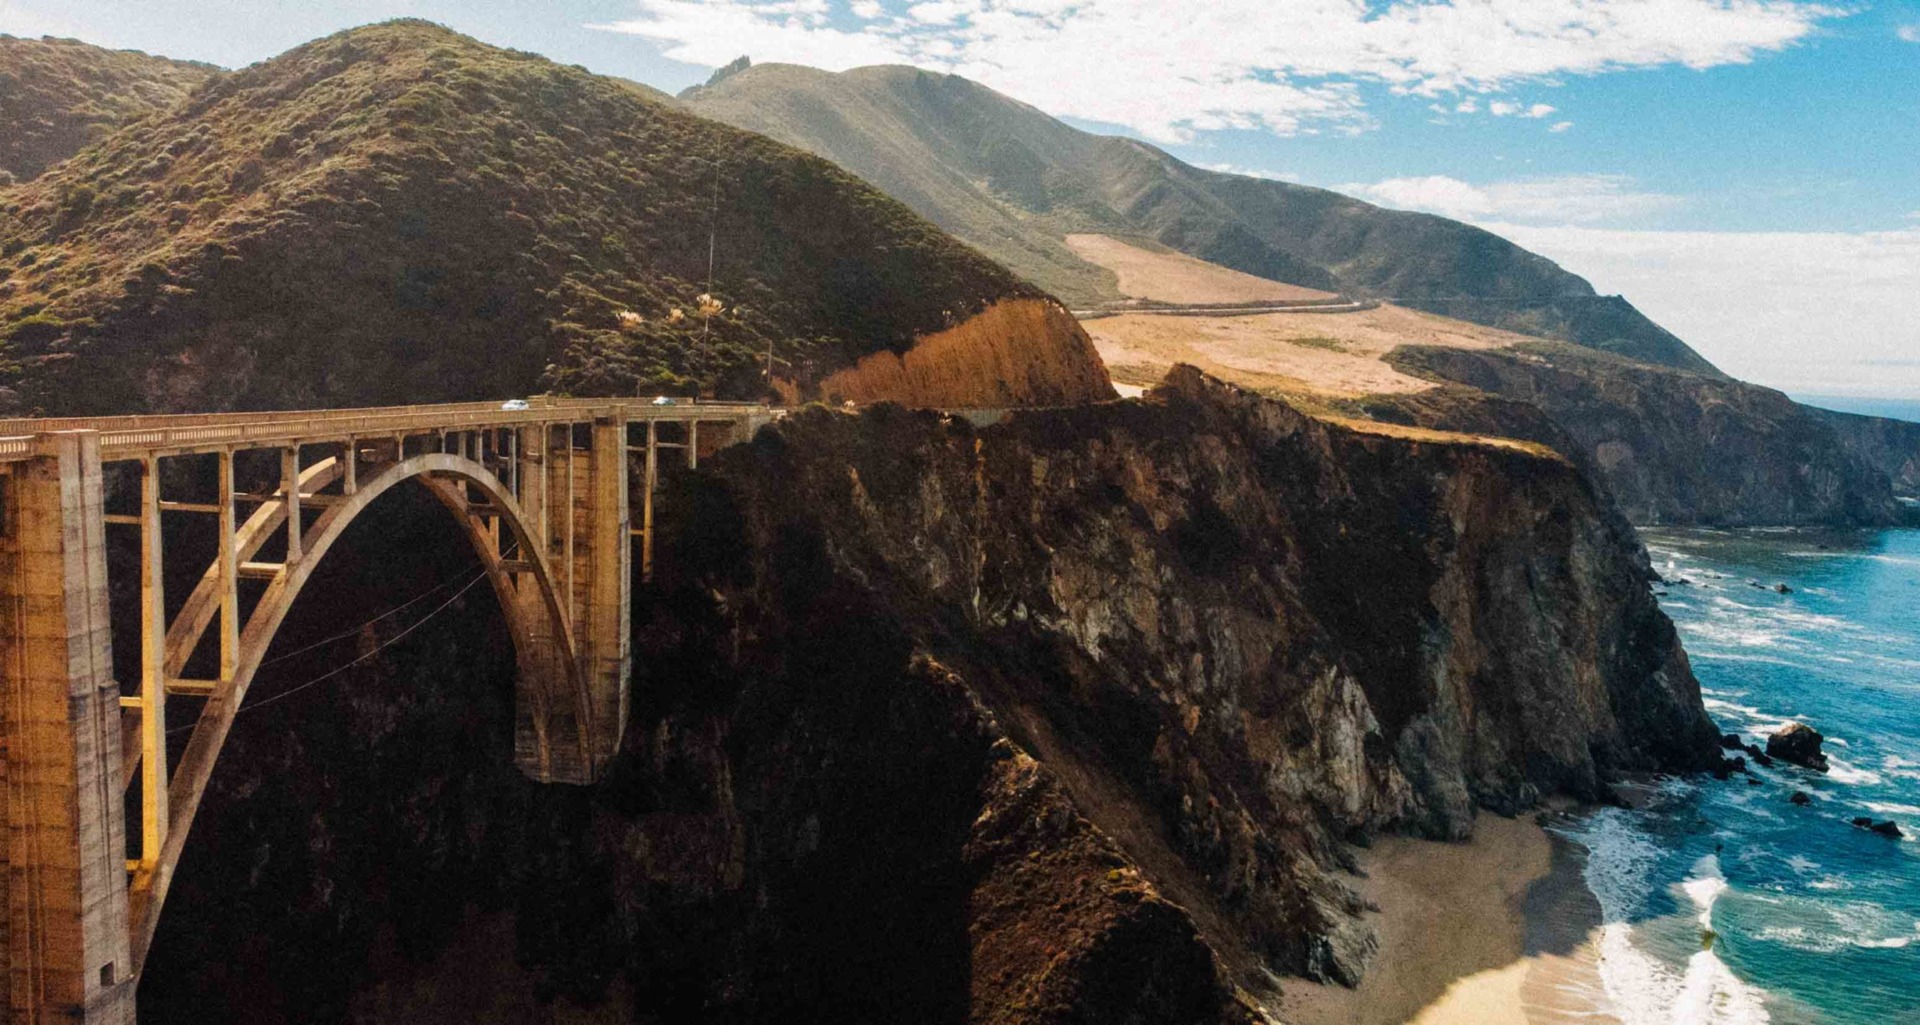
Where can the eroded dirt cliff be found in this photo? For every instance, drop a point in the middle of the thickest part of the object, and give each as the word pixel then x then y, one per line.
pixel 1016 352
pixel 1070 719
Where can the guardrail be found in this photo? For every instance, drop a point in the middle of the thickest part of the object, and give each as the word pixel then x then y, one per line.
pixel 134 436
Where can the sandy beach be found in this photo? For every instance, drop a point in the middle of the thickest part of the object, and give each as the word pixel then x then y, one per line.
pixel 1495 931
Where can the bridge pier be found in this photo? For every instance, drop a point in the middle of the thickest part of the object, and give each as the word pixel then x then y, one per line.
pixel 606 635
pixel 575 501
pixel 65 876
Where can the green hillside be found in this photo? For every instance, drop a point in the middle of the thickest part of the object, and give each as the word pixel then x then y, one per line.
pixel 400 213
pixel 1013 181
pixel 58 96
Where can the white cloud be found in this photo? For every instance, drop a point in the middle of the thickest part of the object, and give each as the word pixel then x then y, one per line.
pixel 1814 312
pixel 1566 199
pixel 1254 172
pixel 1505 108
pixel 1282 66
pixel 1908 33
pixel 1559 126
pixel 939 12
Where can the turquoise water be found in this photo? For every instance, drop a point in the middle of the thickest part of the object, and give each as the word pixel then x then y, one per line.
pixel 1724 902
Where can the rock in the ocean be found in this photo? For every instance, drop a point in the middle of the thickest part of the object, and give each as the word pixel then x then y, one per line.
pixel 1782 589
pixel 1801 797
pixel 1732 742
pixel 1887 829
pixel 1800 744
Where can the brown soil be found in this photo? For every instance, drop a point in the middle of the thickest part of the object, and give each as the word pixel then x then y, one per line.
pixel 1315 355
pixel 1168 276
pixel 1017 352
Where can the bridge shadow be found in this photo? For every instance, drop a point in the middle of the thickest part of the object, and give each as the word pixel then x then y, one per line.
pixel 782 837
pixel 351 825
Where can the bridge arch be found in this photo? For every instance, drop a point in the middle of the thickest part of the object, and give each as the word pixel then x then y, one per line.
pixel 514 559
pixel 539 486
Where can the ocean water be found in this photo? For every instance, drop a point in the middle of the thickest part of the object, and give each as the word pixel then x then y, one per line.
pixel 1893 409
pixel 1723 902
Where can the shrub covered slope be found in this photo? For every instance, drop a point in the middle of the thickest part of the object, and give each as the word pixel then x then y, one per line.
pixel 400 213
pixel 59 95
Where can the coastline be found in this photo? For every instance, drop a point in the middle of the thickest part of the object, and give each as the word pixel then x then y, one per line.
pixel 1498 930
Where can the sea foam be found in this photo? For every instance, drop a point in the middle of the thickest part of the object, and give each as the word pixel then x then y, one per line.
pixel 1642 989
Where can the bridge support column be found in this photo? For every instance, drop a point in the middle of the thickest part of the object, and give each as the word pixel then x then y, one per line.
pixel 606 639
pixel 545 744
pixel 66 925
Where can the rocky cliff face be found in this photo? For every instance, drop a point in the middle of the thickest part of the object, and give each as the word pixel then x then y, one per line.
pixel 1683 448
pixel 1070 719
pixel 1893 446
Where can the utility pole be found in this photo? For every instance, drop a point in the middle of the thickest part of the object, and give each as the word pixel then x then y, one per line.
pixel 713 233
pixel 771 358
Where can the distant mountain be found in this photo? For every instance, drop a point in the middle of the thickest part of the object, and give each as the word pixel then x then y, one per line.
pixel 1013 182
pixel 400 213
pixel 58 96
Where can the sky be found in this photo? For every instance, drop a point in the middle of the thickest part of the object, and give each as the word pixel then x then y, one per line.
pixel 1742 170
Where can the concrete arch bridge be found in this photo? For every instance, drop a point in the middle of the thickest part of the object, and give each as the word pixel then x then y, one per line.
pixel 546 494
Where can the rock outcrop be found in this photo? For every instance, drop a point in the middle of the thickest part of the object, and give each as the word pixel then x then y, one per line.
pixel 1800 744
pixel 1070 719
pixel 1674 447
pixel 1891 445
pixel 1235 636
pixel 1884 827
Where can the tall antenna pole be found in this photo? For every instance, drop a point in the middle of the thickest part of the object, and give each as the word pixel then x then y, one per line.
pixel 713 233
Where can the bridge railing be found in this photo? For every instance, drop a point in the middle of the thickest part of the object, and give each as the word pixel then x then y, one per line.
pixel 136 436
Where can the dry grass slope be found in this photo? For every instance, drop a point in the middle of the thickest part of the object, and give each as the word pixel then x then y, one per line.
pixel 1298 355
pixel 1164 275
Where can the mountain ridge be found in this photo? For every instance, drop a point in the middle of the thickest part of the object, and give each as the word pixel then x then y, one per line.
pixel 1012 181
pixel 58 96
pixel 456 220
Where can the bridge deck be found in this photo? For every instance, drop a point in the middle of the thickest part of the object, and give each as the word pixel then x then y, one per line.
pixel 134 437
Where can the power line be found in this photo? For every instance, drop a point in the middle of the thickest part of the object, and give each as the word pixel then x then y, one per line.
pixel 343 635
pixel 330 674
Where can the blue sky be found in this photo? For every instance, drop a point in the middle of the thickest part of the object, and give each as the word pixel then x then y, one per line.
pixel 1742 169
